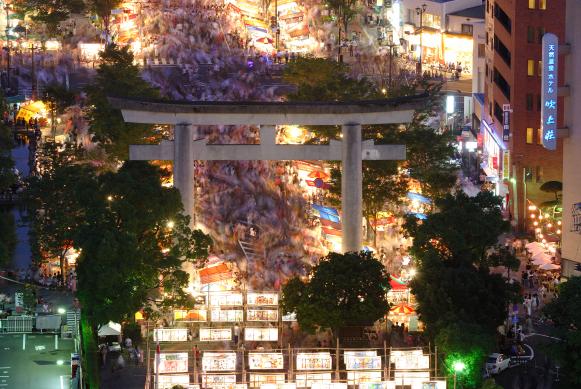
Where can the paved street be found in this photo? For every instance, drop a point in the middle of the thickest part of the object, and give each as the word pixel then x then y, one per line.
pixel 36 366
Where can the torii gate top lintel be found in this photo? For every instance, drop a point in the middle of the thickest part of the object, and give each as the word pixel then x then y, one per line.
pixel 399 110
pixel 351 150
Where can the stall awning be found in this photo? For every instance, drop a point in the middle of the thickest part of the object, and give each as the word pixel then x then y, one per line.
pixel 418 197
pixel 15 99
pixel 217 273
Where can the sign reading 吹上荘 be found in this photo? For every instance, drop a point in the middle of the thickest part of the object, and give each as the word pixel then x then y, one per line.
pixel 549 91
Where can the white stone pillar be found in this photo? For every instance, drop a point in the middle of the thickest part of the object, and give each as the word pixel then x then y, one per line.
pixel 351 187
pixel 183 167
pixel 267 135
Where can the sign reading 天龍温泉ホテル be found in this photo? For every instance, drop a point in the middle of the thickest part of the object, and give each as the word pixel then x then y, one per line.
pixel 549 87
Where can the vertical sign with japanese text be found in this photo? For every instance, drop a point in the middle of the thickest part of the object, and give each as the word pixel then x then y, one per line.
pixel 549 87
pixel 506 122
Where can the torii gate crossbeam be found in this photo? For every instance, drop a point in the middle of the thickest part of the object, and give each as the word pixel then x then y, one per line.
pixel 351 150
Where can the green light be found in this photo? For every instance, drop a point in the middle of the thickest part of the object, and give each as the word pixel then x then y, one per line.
pixel 458 366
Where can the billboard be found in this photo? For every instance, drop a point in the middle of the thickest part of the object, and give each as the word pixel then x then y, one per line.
pixel 269 298
pixel 215 334
pixel 218 299
pixel 265 361
pixel 170 335
pixel 314 361
pixel 218 361
pixel 262 315
pixel 231 315
pixel 171 363
pixel 549 90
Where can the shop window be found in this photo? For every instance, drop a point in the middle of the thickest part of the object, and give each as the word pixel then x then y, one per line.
pixel 532 4
pixel 530 135
pixel 539 136
pixel 528 174
pixel 529 101
pixel 467 28
pixel 540 32
pixel 539 174
pixel 530 34
pixel 542 4
pixel 531 67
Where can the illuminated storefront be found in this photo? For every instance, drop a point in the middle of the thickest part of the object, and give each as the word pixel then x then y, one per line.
pixel 492 154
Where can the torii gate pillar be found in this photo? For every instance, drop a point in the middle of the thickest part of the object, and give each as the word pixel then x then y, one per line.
pixel 183 167
pixel 351 188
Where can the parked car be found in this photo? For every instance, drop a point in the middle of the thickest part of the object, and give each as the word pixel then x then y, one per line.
pixel 497 363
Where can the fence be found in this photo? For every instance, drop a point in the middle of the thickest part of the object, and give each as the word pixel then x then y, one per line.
pixel 17 324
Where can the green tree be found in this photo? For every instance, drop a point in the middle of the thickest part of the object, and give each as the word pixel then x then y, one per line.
pixel 343 290
pixel 49 12
pixel 460 301
pixel 7 180
pixel 552 187
pixel 565 311
pixel 117 76
pixel 345 10
pixel 136 238
pixel 103 8
pixel 59 97
pixel 55 212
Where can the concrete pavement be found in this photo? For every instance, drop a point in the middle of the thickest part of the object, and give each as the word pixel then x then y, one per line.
pixel 30 361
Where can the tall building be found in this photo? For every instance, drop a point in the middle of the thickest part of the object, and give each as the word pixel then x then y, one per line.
pixel 513 158
pixel 571 227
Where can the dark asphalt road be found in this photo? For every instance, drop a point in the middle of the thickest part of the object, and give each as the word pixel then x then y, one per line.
pixel 35 366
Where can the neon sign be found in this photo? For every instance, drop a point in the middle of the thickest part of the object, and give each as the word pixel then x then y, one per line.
pixel 549 91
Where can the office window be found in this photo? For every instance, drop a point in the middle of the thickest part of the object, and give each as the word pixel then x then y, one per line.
pixel 467 28
pixel 532 4
pixel 529 101
pixel 530 135
pixel 540 71
pixel 539 174
pixel 538 102
pixel 542 4
pixel 531 67
pixel 530 34
pixel 481 50
pixel 528 174
pixel 539 136
pixel 540 33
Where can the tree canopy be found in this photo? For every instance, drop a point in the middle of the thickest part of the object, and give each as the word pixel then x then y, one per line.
pixel 343 290
pixel 117 76
pixel 7 180
pixel 460 301
pixel 565 311
pixel 49 12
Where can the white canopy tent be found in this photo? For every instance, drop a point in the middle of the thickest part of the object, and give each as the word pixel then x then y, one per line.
pixel 549 266
pixel 541 257
pixel 110 329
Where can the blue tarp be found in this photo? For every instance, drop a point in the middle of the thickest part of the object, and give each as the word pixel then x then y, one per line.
pixel 419 197
pixel 327 213
pixel 420 216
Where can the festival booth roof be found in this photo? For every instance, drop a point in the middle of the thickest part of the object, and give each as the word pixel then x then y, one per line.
pixel 110 329
pixel 533 245
pixel 402 309
pixel 216 273
pixel 549 266
pixel 541 257
pixel 395 285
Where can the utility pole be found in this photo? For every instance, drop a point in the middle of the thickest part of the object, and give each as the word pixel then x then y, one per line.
pixel 420 11
pixel 7 9
pixel 34 91
pixel 277 29
pixel 391 46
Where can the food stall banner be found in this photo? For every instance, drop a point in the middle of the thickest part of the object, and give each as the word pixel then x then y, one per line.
pixel 314 361
pixel 218 361
pixel 231 315
pixel 169 381
pixel 265 361
pixel 307 380
pixel 218 299
pixel 286 385
pixel 218 381
pixel 215 334
pixel 197 315
pixel 355 377
pixel 363 363
pixel 172 363
pixel 266 298
pixel 170 335
pixel 259 334
pixel 329 385
pixel 409 359
pixel 262 315
pixel 257 380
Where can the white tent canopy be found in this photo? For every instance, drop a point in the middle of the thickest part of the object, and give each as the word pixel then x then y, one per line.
pixel 542 257
pixel 549 266
pixel 110 329
pixel 532 245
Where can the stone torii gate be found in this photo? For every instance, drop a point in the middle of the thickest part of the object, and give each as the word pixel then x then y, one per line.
pixel 183 150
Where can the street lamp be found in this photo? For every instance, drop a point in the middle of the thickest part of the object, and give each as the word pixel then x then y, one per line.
pixel 61 311
pixel 458 367
pixel 420 11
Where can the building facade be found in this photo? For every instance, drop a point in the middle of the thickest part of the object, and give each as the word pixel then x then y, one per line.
pixel 571 226
pixel 513 159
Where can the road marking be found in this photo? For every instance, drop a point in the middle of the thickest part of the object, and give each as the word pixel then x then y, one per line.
pixel 23 342
pixel 39 348
pixel 6 348
pixel 5 367
pixel 62 383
